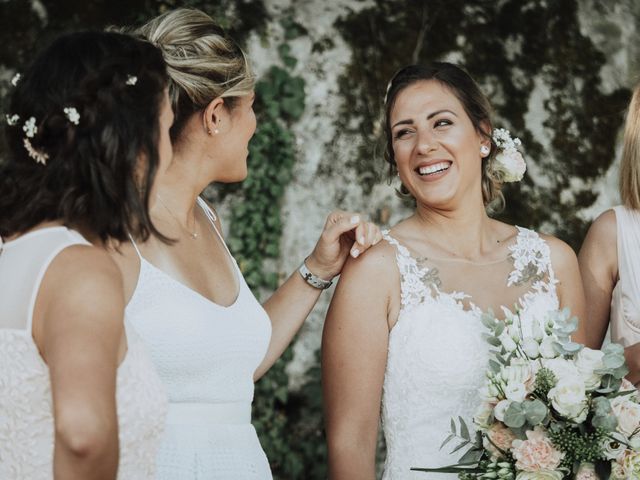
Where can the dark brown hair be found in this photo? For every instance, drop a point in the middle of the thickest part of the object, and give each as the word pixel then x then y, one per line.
pixel 99 173
pixel 475 103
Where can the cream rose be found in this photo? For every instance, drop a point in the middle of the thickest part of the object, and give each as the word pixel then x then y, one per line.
pixel 587 471
pixel 500 437
pixel 628 415
pixel 631 464
pixel 536 453
pixel 587 361
pixel 483 415
pixel 540 475
pixel 500 409
pixel 569 399
pixel 511 165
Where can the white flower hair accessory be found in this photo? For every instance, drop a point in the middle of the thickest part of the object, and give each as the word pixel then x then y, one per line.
pixel 30 130
pixel 16 78
pixel 508 164
pixel 72 114
pixel 30 127
pixel 12 120
pixel 131 80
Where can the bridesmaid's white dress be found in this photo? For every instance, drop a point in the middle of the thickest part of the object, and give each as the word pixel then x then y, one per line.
pixel 437 357
pixel 206 355
pixel 625 299
pixel 26 420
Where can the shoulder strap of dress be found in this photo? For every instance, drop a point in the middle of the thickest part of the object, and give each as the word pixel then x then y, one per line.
pixel 59 243
pixel 211 215
pixel 412 289
pixel 531 256
pixel 133 242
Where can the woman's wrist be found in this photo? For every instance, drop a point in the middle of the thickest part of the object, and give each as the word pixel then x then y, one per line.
pixel 317 269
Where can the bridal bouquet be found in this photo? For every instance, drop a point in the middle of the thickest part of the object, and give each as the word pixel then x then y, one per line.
pixel 551 409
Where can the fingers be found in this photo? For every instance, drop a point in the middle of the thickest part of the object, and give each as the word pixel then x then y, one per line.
pixel 367 235
pixel 339 222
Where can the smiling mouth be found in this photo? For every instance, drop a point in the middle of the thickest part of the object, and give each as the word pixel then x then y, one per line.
pixel 433 169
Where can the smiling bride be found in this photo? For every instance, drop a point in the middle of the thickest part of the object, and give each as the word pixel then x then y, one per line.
pixel 403 336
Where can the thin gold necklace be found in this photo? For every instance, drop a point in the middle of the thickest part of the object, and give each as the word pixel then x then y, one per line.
pixel 194 234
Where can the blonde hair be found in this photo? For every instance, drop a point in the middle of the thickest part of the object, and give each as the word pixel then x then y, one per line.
pixel 202 62
pixel 630 167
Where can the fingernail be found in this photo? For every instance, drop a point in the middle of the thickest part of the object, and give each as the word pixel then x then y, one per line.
pixel 355 252
pixel 361 240
pixel 355 219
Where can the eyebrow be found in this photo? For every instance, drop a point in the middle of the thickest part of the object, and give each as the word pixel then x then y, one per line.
pixel 409 121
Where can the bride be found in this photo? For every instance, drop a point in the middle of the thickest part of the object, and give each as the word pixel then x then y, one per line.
pixel 402 339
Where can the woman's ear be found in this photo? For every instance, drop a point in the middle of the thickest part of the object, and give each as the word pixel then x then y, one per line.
pixel 213 115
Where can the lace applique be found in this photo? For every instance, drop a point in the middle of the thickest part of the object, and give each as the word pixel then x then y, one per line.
pixel 531 258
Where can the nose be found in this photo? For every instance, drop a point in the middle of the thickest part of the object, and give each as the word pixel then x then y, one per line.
pixel 426 143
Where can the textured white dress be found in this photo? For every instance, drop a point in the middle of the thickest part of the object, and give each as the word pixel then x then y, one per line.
pixel 625 299
pixel 26 420
pixel 206 355
pixel 437 357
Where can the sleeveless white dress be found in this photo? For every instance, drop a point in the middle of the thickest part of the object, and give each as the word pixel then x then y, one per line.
pixel 437 357
pixel 26 420
pixel 206 355
pixel 625 299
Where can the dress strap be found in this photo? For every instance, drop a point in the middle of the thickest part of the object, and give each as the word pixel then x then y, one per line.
pixel 212 219
pixel 413 289
pixel 133 242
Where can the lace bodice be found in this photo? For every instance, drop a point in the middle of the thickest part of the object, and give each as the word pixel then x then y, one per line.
pixel 437 357
pixel 26 420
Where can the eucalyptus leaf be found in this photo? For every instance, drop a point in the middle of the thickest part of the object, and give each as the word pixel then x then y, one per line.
pixel 515 416
pixel 535 411
pixel 462 445
pixel 613 361
pixel 464 430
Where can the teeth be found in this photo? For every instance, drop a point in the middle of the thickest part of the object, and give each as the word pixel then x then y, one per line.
pixel 438 167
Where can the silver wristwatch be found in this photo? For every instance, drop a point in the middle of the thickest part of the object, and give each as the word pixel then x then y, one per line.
pixel 313 280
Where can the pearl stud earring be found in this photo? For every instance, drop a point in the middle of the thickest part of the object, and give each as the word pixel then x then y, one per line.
pixel 484 150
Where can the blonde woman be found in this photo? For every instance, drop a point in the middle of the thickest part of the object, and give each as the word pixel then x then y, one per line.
pixel 208 335
pixel 610 257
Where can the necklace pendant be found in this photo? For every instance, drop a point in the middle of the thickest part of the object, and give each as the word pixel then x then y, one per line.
pixel 194 235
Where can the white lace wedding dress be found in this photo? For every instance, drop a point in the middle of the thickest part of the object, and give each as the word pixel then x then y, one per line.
pixel 437 357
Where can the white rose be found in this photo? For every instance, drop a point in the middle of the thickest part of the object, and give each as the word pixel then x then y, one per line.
pixel 531 348
pixel 511 165
pixel 500 409
pixel 569 399
pixel 562 369
pixel 515 391
pixel 627 413
pixel 546 348
pixel 587 361
pixel 540 475
pixel 613 448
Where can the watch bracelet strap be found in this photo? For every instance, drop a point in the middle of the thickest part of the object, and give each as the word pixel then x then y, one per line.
pixel 313 280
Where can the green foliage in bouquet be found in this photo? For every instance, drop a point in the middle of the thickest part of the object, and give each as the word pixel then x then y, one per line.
pixel 552 409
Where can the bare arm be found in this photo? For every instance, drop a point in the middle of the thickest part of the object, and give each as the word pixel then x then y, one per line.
pixel 78 329
pixel 569 287
pixel 354 355
pixel 290 305
pixel 599 269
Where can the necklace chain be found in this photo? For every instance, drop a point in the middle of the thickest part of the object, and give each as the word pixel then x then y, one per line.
pixel 194 234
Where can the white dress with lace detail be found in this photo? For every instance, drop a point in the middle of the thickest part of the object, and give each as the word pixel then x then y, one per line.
pixel 437 357
pixel 26 420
